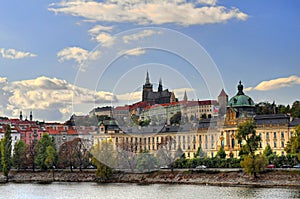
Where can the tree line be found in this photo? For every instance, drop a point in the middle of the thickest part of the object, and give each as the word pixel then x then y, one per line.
pixel 272 108
pixel 42 154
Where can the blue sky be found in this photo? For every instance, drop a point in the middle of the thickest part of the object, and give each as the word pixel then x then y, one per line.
pixel 56 57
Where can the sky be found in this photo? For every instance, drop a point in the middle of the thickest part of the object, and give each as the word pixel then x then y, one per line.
pixel 58 58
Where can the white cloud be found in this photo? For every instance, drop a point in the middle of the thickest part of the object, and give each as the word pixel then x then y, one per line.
pixel 98 28
pixel 134 96
pixel 133 52
pixel 50 95
pixel 77 54
pixel 208 2
pixel 276 83
pixel 140 35
pixel 105 39
pixel 157 12
pixel 14 54
pixel 100 34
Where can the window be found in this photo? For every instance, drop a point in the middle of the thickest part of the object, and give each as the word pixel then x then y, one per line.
pixel 282 135
pixel 282 144
pixel 200 138
pixel 117 140
pixel 275 144
pixel 275 136
pixel 260 145
pixel 267 135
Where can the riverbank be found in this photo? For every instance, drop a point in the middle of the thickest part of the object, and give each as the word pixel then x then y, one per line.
pixel 202 177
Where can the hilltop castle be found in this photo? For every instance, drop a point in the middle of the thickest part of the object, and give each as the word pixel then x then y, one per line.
pixel 159 97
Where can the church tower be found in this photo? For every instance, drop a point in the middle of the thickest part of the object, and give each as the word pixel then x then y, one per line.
pixel 147 88
pixel 30 116
pixel 21 116
pixel 172 98
pixel 160 87
pixel 185 97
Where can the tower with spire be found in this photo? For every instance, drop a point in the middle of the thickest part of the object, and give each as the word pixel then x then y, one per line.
pixel 153 97
pixel 185 97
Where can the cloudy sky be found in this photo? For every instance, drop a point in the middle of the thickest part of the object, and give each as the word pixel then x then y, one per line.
pixel 64 57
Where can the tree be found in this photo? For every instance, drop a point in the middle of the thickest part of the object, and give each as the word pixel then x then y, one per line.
pixel 128 155
pixel 253 165
pixel 19 156
pixel 146 161
pixel 6 147
pixel 293 145
pixel 167 156
pixel 176 118
pixel 249 142
pixel 221 153
pixel 66 156
pixel 269 154
pixel 105 158
pixel 41 151
pixel 200 153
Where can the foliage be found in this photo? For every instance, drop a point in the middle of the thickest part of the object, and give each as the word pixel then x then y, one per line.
pixel 267 151
pixel 221 153
pixel 103 172
pixel 74 153
pixel 176 118
pixel 268 108
pixel 209 162
pixel 6 159
pixel 19 155
pixel 41 151
pixel 254 164
pixel 50 156
pixel 127 155
pixel 200 153
pixel 105 153
pixel 293 145
pixel 247 134
pixel 146 161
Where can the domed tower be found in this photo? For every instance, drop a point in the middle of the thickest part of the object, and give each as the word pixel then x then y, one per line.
pixel 242 104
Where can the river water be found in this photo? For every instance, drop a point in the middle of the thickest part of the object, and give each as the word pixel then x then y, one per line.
pixel 120 191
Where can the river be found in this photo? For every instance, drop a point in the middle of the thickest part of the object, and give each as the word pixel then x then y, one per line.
pixel 120 191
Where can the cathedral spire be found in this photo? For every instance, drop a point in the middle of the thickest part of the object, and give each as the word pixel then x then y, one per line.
pixel 160 87
pixel 147 78
pixel 185 96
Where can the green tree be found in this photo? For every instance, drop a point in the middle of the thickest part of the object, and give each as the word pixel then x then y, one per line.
pixel 268 151
pixel 103 172
pixel 253 165
pixel 295 110
pixel 176 118
pixel 6 147
pixel 19 156
pixel 293 145
pixel 50 156
pixel 200 153
pixel 41 151
pixel 249 142
pixel 221 153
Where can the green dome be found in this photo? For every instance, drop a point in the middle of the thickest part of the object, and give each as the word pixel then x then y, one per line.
pixel 240 99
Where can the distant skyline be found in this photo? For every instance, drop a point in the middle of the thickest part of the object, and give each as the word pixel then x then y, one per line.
pixel 64 57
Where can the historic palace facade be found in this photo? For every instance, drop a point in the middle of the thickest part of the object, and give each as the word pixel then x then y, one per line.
pixel 208 133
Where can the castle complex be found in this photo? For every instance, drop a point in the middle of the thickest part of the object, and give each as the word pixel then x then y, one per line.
pixel 209 133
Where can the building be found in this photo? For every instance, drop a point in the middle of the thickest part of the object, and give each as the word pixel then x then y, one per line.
pixel 156 97
pixel 101 111
pixel 210 133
